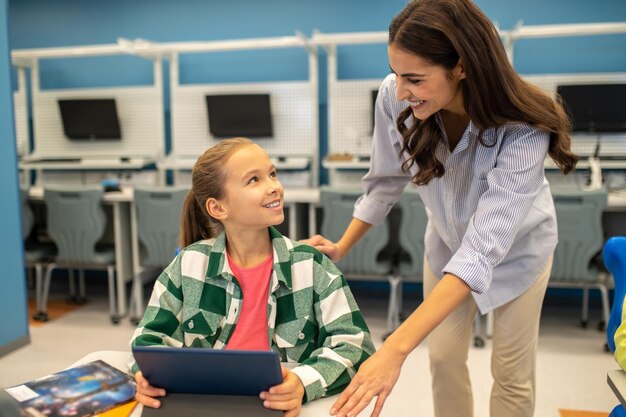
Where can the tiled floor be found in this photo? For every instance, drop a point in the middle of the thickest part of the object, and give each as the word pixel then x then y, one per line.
pixel 571 364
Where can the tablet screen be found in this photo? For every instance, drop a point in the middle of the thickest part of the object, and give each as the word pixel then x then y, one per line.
pixel 209 371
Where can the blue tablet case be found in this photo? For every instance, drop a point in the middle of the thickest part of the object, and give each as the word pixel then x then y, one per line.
pixel 209 371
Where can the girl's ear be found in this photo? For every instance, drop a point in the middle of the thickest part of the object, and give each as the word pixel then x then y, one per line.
pixel 458 72
pixel 216 209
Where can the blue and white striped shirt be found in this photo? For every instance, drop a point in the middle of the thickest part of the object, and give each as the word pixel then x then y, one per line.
pixel 491 216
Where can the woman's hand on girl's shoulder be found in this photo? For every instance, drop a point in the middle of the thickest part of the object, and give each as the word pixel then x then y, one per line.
pixel 146 393
pixel 328 248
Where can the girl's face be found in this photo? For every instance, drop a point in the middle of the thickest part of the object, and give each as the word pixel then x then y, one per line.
pixel 427 88
pixel 253 196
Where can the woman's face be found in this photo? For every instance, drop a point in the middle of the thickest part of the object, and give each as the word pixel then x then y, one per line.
pixel 427 88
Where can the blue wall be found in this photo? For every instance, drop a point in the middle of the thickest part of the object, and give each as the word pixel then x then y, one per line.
pixel 43 23
pixel 13 311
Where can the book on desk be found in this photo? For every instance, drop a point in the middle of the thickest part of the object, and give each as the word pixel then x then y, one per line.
pixel 79 391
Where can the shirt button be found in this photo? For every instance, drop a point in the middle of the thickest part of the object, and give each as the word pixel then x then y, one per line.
pixel 301 336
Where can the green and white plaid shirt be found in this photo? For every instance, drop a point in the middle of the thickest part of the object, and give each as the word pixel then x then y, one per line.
pixel 312 316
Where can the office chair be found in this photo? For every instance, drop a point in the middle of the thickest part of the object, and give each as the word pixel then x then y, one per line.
pixel 156 226
pixel 366 260
pixel 76 222
pixel 614 256
pixel 411 258
pixel 36 254
pixel 579 221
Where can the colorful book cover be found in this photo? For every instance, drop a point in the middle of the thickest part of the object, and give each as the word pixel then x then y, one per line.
pixel 81 391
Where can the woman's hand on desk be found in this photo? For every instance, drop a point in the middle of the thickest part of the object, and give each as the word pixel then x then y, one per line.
pixel 286 396
pixel 328 248
pixel 376 377
pixel 146 392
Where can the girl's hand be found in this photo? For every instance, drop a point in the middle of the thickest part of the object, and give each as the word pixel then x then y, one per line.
pixel 328 248
pixel 286 396
pixel 146 392
pixel 376 377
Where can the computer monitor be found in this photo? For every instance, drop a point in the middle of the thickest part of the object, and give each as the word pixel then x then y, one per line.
pixel 90 119
pixel 595 107
pixel 246 115
pixel 374 94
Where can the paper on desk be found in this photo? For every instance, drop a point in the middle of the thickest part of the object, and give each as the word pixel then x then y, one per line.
pixel 21 393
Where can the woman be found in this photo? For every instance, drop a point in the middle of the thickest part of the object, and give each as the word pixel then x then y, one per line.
pixel 455 119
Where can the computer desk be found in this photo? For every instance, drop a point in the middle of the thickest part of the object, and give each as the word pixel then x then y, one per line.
pixel 119 359
pixel 121 202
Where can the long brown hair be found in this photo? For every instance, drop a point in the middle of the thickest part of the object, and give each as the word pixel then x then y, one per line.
pixel 207 181
pixel 446 31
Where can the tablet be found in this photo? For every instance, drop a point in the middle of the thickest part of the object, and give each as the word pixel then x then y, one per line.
pixel 209 371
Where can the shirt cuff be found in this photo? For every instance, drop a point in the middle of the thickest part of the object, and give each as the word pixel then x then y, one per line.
pixel 471 267
pixel 370 210
pixel 312 382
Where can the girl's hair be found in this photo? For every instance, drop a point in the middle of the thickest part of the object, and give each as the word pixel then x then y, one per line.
pixel 207 181
pixel 445 31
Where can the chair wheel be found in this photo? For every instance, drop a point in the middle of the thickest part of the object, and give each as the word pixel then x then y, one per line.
pixel 601 326
pixel 115 320
pixel 134 321
pixel 81 300
pixel 41 316
pixel 479 342
pixel 72 299
pixel 606 348
pixel 583 324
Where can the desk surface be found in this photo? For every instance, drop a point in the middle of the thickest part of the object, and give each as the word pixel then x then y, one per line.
pixel 79 163
pixel 124 195
pixel 183 162
pixel 617 381
pixel 119 359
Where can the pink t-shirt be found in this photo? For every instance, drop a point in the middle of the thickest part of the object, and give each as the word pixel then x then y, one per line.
pixel 251 330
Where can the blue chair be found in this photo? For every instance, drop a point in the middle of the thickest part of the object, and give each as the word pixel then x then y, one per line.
pixel 76 222
pixel 156 226
pixel 367 260
pixel 411 238
pixel 614 255
pixel 579 243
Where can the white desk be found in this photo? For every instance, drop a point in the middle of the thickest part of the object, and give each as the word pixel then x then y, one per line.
pixel 118 359
pixel 617 381
pixel 81 164
pixel 121 203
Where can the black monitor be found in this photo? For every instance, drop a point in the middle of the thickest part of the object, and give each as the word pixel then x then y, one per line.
pixel 374 94
pixel 246 115
pixel 595 107
pixel 90 119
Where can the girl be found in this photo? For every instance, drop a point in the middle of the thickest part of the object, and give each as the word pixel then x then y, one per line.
pixel 239 284
pixel 456 120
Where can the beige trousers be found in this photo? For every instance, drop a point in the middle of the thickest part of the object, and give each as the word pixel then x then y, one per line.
pixel 515 334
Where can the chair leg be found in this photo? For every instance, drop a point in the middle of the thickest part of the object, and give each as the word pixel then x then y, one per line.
pixel 489 325
pixel 604 294
pixel 136 307
pixel 42 295
pixel 72 299
pixel 393 313
pixel 82 293
pixel 585 317
pixel 115 318
pixel 479 340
